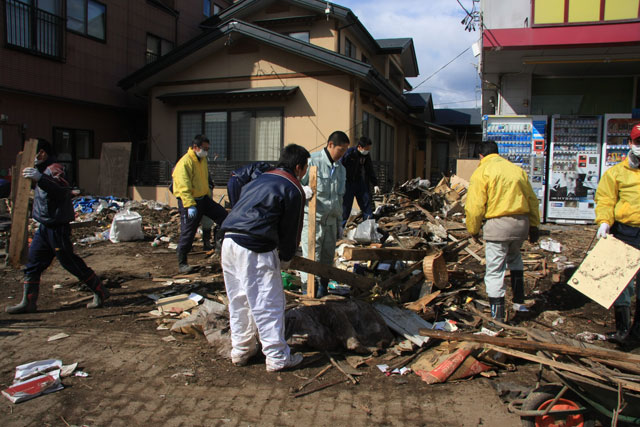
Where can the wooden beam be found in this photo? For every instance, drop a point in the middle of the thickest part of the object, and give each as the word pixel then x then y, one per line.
pixel 533 345
pixel 20 215
pixel 384 254
pixel 329 272
pixel 313 183
pixel 469 251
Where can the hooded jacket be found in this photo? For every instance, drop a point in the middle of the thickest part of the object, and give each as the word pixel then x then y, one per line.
pixel 191 178
pixel 618 195
pixel 52 196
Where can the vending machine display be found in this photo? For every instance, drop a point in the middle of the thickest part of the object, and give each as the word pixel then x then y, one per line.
pixel 616 139
pixel 574 163
pixel 522 140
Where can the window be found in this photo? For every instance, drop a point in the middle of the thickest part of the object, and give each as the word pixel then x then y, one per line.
pixel 70 146
pixel 365 59
pixel 156 47
pixel 349 48
pixel 208 6
pixel 35 25
pixel 238 135
pixel 382 137
pixel 87 17
pixel 300 35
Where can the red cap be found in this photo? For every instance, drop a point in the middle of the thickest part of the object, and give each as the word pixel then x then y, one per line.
pixel 635 132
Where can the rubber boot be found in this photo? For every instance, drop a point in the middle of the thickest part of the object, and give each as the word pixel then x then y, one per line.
pixel 183 266
pixel 517 286
pixel 206 240
pixel 497 308
pixel 218 237
pixel 623 320
pixel 100 293
pixel 29 300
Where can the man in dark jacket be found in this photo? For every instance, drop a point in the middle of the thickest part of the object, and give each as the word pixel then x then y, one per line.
pixel 360 175
pixel 53 209
pixel 242 176
pixel 262 233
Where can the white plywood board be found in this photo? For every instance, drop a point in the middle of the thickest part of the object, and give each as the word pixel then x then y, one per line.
pixel 606 271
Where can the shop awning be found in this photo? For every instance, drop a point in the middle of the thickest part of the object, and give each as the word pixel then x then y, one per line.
pixel 258 93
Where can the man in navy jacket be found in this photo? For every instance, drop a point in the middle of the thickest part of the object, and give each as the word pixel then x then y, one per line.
pixel 242 176
pixel 262 233
pixel 53 209
pixel 360 175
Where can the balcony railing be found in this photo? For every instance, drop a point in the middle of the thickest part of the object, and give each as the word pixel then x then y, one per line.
pixel 34 30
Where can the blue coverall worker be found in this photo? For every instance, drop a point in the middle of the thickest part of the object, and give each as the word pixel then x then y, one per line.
pixel 191 188
pixel 360 176
pixel 501 193
pixel 329 195
pixel 618 212
pixel 53 209
pixel 262 233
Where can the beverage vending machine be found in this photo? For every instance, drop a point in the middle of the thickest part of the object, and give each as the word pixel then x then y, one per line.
pixel 574 168
pixel 615 138
pixel 523 141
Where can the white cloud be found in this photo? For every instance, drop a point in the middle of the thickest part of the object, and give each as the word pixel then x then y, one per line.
pixel 438 37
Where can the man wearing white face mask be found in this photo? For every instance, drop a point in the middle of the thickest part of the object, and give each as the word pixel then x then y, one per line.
pixel 191 188
pixel 618 212
pixel 360 176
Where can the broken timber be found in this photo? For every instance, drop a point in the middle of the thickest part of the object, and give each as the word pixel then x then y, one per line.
pixel 384 254
pixel 313 183
pixel 329 272
pixel 533 346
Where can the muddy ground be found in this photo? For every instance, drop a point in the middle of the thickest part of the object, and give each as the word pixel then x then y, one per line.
pixel 136 378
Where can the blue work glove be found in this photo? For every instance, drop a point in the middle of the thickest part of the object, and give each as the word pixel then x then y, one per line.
pixel 32 173
pixel 192 212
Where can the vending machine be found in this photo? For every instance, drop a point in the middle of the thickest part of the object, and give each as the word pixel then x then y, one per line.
pixel 615 138
pixel 523 141
pixel 574 168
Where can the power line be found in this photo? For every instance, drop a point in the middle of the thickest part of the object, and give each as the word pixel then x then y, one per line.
pixel 457 102
pixel 441 68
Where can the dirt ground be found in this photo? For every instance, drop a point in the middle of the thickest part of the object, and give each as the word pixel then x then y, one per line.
pixel 136 378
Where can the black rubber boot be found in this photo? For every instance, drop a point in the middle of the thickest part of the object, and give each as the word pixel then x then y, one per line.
pixel 497 308
pixel 29 300
pixel 183 265
pixel 206 240
pixel 623 321
pixel 517 286
pixel 100 293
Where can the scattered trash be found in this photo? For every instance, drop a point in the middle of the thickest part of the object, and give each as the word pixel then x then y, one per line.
pixel 56 337
pixel 551 245
pixel 33 379
pixel 590 337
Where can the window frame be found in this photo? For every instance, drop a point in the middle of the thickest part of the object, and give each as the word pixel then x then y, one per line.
pixel 228 142
pixel 159 41
pixel 212 8
pixel 73 135
pixel 289 34
pixel 350 48
pixel 30 45
pixel 86 22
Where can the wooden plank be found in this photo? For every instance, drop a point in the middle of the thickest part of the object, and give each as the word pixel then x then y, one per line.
pixel 20 214
pixel 405 322
pixel 313 183
pixel 423 302
pixel 384 254
pixel 393 280
pixel 603 277
pixel 469 251
pixel 533 345
pixel 14 178
pixel 329 272
pixel 565 367
pixel 114 169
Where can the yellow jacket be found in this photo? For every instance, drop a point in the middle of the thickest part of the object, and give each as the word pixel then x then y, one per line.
pixel 618 195
pixel 499 188
pixel 190 178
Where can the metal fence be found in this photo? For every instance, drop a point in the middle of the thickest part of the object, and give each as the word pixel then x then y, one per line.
pixel 33 29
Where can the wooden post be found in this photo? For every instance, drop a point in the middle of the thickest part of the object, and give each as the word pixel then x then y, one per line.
pixel 20 215
pixel 313 183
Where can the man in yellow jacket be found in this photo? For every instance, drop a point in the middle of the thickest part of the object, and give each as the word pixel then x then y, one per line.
pixel 618 212
pixel 500 192
pixel 191 188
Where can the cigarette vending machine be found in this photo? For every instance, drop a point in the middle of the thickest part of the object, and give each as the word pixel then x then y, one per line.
pixel 615 138
pixel 574 168
pixel 523 141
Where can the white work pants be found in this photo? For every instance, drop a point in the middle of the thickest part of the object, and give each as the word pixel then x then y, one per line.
pixel 499 256
pixel 256 301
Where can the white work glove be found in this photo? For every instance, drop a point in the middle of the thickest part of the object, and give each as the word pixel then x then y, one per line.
pixel 284 265
pixel 603 230
pixel 32 173
pixel 308 192
pixel 376 190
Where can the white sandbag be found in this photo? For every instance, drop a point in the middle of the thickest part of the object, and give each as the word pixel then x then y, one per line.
pixel 126 226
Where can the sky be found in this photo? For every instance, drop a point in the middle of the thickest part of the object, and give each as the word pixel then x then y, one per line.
pixel 438 37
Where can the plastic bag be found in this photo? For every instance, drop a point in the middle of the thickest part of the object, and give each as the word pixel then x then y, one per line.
pixel 126 226
pixel 366 232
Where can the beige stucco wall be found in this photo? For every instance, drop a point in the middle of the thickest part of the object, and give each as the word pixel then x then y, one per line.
pixel 321 105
